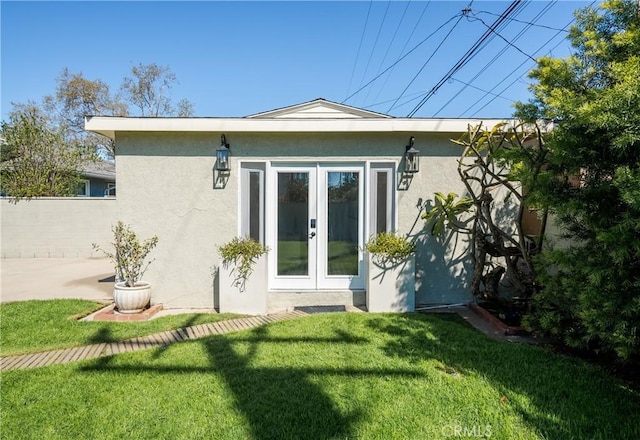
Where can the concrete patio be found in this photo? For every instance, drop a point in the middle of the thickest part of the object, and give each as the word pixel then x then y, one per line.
pixel 54 278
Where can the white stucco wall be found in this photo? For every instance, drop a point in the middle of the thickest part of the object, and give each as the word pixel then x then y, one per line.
pixel 166 187
pixel 55 227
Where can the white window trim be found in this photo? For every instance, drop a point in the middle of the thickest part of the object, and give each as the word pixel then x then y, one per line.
pixel 390 169
pixel 87 188
pixel 244 221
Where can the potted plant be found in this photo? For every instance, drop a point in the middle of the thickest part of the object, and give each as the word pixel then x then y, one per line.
pixel 243 276
pixel 391 273
pixel 130 293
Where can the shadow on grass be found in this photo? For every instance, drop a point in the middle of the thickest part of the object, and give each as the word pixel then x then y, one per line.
pixel 278 402
pixel 558 396
pixel 104 332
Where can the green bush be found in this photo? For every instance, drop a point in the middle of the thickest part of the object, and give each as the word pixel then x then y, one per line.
pixel 129 254
pixel 243 253
pixel 388 246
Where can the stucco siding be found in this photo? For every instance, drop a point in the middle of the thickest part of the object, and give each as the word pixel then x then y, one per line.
pixel 56 227
pixel 167 187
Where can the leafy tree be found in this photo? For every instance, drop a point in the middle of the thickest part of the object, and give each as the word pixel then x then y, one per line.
pixel 591 289
pixel 148 90
pixel 43 148
pixel 36 160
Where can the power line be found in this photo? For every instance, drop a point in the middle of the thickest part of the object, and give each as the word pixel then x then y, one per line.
pixel 564 29
pixel 355 63
pixel 538 16
pixel 503 39
pixel 406 43
pixel 420 93
pixel 512 82
pixel 466 57
pixel 425 63
pixel 400 59
pixel 481 90
pixel 393 38
pixel 526 22
pixel 514 70
pixel 375 43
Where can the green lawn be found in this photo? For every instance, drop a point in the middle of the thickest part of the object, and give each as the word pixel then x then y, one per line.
pixel 342 258
pixel 31 326
pixel 365 376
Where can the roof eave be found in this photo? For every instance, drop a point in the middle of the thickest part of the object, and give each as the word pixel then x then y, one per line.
pixel 108 126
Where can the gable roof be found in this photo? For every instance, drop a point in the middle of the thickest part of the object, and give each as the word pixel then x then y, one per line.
pixel 101 169
pixel 319 108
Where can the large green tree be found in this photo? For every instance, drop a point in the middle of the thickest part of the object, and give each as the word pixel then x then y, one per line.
pixel 591 289
pixel 36 159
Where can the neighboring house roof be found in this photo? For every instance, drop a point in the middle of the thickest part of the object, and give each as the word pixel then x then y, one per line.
pixel 314 116
pixel 100 170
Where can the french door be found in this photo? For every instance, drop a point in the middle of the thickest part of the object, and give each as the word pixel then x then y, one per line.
pixel 317 227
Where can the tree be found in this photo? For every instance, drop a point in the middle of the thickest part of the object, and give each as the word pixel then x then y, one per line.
pixel 36 160
pixel 591 290
pixel 497 167
pixel 148 90
pixel 77 97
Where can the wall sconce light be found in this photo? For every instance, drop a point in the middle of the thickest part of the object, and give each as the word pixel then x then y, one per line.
pixel 222 155
pixel 411 158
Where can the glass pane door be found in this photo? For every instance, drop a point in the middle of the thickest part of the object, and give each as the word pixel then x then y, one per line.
pixel 293 223
pixel 343 196
pixel 316 232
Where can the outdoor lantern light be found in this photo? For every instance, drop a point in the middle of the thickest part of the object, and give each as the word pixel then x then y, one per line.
pixel 411 158
pixel 222 155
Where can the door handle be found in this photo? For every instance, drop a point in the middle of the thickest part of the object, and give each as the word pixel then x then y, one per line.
pixel 313 234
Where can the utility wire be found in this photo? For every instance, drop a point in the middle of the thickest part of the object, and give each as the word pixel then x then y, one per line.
pixel 375 43
pixel 406 43
pixel 513 71
pixel 515 80
pixel 466 57
pixel 420 93
pixel 503 39
pixel 525 22
pixel 355 63
pixel 384 58
pixel 519 35
pixel 425 63
pixel 486 92
pixel 401 58
pixel 518 67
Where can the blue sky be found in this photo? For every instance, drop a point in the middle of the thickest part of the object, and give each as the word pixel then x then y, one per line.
pixel 239 58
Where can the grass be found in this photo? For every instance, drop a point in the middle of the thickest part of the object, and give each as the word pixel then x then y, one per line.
pixel 31 326
pixel 342 258
pixel 362 376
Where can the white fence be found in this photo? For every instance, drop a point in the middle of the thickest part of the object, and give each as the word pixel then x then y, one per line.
pixel 55 227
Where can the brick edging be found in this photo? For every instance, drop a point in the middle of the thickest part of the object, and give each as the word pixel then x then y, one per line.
pixel 74 354
pixel 508 330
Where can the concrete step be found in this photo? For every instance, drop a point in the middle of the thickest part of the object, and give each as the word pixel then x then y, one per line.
pixel 283 300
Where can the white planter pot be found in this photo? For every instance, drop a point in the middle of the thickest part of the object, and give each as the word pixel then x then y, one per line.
pixel 132 299
pixel 247 299
pixel 391 287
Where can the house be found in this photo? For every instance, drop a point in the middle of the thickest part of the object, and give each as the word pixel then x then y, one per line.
pixel 311 181
pixel 98 179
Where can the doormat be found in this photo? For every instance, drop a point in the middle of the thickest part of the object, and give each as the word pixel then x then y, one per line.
pixel 320 309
